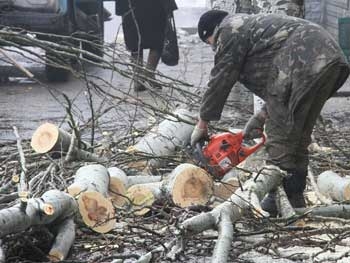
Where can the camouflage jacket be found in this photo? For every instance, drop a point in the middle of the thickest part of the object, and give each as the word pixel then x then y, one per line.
pixel 278 58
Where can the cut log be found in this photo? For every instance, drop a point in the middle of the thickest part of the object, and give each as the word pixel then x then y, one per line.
pixel 48 138
pixel 185 186
pixel 91 188
pixel 64 240
pixel 164 139
pixel 142 196
pixel 119 182
pixel 188 185
pixel 53 206
pixel 334 186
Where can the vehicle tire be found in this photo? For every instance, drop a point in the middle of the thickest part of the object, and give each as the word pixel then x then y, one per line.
pixel 94 9
pixel 54 74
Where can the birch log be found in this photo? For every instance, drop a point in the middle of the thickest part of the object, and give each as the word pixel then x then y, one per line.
pixel 119 182
pixel 163 139
pixel 188 185
pixel 52 206
pixel 142 196
pixel 48 138
pixel 64 240
pixel 334 186
pixel 91 188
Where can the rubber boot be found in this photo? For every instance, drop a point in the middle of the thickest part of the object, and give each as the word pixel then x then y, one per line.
pixel 137 60
pixel 268 204
pixel 152 63
pixel 294 185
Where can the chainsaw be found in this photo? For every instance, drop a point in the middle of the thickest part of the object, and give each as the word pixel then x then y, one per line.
pixel 223 151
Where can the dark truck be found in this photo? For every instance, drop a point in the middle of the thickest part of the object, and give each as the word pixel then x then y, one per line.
pixel 81 18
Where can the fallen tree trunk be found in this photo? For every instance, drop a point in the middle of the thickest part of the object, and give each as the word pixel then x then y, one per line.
pixel 91 188
pixel 185 186
pixel 119 182
pixel 163 139
pixel 48 138
pixel 334 186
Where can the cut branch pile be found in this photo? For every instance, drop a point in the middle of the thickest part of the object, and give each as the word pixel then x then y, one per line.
pixel 134 194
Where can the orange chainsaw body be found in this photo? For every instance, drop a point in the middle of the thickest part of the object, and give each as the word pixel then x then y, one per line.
pixel 225 150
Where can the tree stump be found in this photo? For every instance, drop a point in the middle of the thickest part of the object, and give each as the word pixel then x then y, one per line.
pixel 91 188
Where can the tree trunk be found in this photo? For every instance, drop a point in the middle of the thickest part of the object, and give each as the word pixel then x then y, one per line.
pixel 334 186
pixel 164 139
pixel 48 138
pixel 91 188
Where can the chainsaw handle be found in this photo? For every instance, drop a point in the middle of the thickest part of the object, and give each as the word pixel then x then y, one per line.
pixel 246 151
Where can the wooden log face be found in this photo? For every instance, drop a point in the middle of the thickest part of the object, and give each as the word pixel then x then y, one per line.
pixel 192 187
pixel 97 211
pixel 45 138
pixel 141 198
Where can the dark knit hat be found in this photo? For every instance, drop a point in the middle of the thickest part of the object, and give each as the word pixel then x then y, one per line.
pixel 208 21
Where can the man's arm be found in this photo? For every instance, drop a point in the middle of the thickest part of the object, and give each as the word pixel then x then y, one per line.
pixel 229 59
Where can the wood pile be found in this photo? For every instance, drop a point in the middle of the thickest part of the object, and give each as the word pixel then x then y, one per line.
pixel 144 205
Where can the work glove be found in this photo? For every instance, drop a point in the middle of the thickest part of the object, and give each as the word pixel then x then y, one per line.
pixel 199 133
pixel 254 127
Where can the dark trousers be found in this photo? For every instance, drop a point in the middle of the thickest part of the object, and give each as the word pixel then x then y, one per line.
pixel 288 148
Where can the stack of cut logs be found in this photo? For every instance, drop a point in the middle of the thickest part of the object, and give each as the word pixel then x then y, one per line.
pixel 97 191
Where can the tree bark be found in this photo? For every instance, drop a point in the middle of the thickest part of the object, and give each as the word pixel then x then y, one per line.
pixel 164 139
pixel 52 206
pixel 64 240
pixel 91 188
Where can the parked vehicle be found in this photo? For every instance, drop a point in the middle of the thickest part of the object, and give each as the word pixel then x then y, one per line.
pixel 81 18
